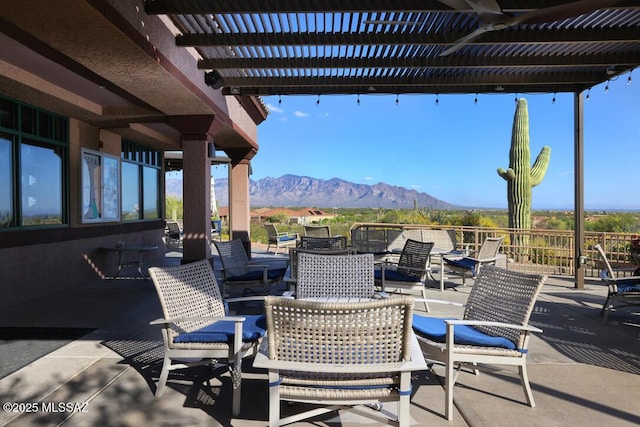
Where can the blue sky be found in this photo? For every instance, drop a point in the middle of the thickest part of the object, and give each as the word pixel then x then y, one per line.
pixel 451 149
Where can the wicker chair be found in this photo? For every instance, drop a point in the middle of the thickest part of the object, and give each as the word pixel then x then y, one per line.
pixel 341 355
pixel 622 292
pixel 324 243
pixel 487 255
pixel 196 325
pixel 280 239
pixel 317 231
pixel 410 273
pixel 494 330
pixel 335 276
pixel 294 258
pixel 237 269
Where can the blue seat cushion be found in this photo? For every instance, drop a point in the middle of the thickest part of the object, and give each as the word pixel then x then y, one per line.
pixel 435 329
pixel 286 238
pixel 466 263
pixel 256 275
pixel 394 276
pixel 628 287
pixel 253 328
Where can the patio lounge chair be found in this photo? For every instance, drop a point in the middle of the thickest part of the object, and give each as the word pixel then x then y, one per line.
pixel 281 240
pixel 487 255
pixel 622 292
pixel 196 325
pixel 339 355
pixel 494 329
pixel 237 269
pixel 294 256
pixel 335 276
pixel 411 271
pixel 174 234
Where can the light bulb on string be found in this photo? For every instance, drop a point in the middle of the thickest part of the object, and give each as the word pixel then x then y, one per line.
pixel 397 99
pixel 606 88
pixel 279 99
pixel 553 101
pixel 318 101
pixel 588 94
pixel 437 100
pixel 629 79
pixel 475 101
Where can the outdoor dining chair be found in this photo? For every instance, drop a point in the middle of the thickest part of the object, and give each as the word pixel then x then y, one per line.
pixel 494 330
pixel 338 355
pixel 196 326
pixel 622 291
pixel 279 239
pixel 411 271
pixel 237 270
pixel 470 266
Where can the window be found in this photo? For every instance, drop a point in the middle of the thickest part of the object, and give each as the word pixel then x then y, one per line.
pixel 33 166
pixel 100 187
pixel 140 182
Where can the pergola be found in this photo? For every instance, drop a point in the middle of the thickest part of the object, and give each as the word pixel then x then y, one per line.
pixel 281 47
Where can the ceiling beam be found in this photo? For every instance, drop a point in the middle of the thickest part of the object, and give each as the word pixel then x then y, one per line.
pixel 619 35
pixel 448 62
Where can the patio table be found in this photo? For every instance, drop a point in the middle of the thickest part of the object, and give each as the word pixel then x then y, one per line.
pixel 133 261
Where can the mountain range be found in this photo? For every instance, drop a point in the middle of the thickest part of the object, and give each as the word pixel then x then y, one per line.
pixel 303 191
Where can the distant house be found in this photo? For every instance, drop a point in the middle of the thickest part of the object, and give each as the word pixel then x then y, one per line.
pixel 300 216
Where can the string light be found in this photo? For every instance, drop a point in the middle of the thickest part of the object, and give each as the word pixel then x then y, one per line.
pixel 629 79
pixel 318 101
pixel 516 99
pixel 588 94
pixel 279 99
pixel 437 100
pixel 397 99
pixel 358 100
pixel 606 88
pixel 475 101
pixel 553 101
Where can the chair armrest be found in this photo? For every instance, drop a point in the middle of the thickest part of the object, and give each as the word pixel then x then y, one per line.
pixel 244 299
pixel 439 301
pixel 526 328
pixel 417 363
pixel 162 321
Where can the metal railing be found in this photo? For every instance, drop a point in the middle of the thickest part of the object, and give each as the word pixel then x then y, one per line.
pixel 548 252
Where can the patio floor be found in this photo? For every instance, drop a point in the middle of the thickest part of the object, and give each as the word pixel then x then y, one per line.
pixel 582 373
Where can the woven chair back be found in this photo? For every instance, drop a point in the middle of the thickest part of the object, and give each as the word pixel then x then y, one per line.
pixel 232 253
pixel 371 332
pixel 414 258
pixel 335 276
pixel 500 295
pixel 317 231
pixel 188 290
pixel 295 252
pixel 490 247
pixel 323 243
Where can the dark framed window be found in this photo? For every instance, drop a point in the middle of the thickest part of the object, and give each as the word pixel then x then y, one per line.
pixel 140 182
pixel 34 156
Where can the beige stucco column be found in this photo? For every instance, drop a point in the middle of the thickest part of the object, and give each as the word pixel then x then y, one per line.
pixel 239 216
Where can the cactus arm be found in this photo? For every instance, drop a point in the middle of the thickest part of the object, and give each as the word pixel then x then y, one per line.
pixel 539 167
pixel 507 175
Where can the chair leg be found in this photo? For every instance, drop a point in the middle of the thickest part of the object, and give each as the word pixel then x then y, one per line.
pixel 164 375
pixel 236 382
pixel 424 296
pixel 449 382
pixel 524 378
pixel 404 403
pixel 274 399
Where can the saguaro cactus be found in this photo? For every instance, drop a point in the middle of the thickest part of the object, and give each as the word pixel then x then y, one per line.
pixel 521 177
